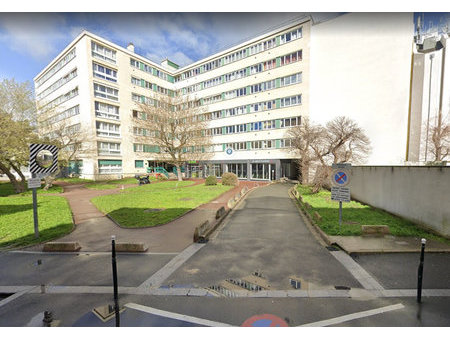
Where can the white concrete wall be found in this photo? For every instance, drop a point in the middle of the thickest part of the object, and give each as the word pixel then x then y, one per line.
pixel 360 67
pixel 420 194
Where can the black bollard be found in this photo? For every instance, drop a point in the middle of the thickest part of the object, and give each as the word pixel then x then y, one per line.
pixel 114 269
pixel 420 272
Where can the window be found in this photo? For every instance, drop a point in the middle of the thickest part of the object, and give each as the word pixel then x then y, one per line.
pixel 138 147
pixel 107 148
pixel 139 163
pixel 110 166
pixel 63 98
pixel 65 60
pixel 106 92
pixel 103 52
pixel 291 101
pixel 57 84
pixel 290 36
pixel 104 73
pixel 105 129
pixel 106 111
pixel 291 79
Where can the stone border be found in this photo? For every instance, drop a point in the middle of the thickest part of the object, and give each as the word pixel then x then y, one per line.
pixel 61 246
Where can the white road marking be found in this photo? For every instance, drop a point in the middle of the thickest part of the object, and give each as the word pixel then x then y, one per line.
pixel 161 275
pixel 363 314
pixel 12 297
pixel 361 275
pixel 174 315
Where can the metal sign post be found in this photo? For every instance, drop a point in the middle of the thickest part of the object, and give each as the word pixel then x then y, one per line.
pixel 340 179
pixel 114 270
pixel 43 162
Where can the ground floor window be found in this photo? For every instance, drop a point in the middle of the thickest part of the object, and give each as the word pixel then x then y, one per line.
pixel 76 167
pixel 139 163
pixel 240 169
pixel 214 170
pixel 263 171
pixel 110 166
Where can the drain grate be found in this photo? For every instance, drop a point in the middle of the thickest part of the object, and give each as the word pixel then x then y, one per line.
pixel 342 287
pixel 230 286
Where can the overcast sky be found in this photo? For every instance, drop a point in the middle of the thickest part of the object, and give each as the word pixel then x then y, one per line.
pixel 29 41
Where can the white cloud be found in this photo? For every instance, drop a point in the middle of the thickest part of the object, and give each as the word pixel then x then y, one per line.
pixel 33 34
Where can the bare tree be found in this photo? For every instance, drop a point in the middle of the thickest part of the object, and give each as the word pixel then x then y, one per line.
pixel 340 141
pixel 436 140
pixel 303 139
pixel 175 129
pixel 71 139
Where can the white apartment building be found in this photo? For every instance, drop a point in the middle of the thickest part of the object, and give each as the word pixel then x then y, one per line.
pixel 253 92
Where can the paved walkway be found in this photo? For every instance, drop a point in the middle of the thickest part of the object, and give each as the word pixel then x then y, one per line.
pixel 93 229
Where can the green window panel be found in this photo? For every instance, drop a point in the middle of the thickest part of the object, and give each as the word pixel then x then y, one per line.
pixel 248 108
pixel 249 125
pixel 134 147
pixel 201 86
pixel 142 83
pixel 141 66
pixel 201 102
pixel 277 123
pixel 224 130
pixel 278 40
pixel 249 144
pixel 170 78
pixel 139 163
pixel 223 113
pixel 277 143
pixel 142 99
pixel 277 83
pixel 155 72
pixel 155 87
pixel 223 96
pixel 278 103
pixel 223 78
pixel 109 162
pixel 278 61
pixel 247 71
pixel 248 90
pixel 223 146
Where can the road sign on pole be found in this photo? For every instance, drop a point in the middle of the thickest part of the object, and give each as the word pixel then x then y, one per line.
pixel 340 178
pixel 43 162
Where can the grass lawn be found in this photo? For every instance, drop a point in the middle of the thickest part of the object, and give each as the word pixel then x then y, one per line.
pixel 155 204
pixel 354 215
pixel 74 180
pixel 16 219
pixel 6 189
pixel 113 184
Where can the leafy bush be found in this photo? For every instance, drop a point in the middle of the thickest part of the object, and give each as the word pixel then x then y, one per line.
pixel 211 180
pixel 229 179
pixel 161 177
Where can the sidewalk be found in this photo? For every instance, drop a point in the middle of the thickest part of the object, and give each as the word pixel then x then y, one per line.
pixel 386 244
pixel 93 229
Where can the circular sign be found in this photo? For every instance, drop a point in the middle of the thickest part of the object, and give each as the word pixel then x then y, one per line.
pixel 229 151
pixel 44 158
pixel 265 320
pixel 340 178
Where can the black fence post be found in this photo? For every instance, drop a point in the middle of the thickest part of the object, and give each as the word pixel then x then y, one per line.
pixel 420 272
pixel 114 269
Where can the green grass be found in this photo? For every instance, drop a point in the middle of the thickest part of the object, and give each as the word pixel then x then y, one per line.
pixel 131 207
pixel 354 215
pixel 6 189
pixel 113 184
pixel 16 220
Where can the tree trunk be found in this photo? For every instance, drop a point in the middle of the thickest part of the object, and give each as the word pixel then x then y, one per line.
pixel 180 177
pixel 19 186
pixel 304 167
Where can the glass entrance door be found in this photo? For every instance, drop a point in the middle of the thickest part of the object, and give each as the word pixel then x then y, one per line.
pixel 263 171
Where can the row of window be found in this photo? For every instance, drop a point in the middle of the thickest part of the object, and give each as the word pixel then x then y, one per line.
pixel 151 70
pixel 255 145
pixel 105 129
pixel 243 53
pixel 57 84
pixel 254 69
pixel 105 73
pixel 108 148
pixel 255 126
pixel 61 63
pixel 256 88
pixel 106 92
pixel 103 52
pixel 106 111
pixel 62 98
pixel 65 114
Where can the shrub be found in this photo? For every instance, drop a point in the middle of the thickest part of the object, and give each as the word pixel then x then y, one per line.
pixel 229 179
pixel 211 180
pixel 161 177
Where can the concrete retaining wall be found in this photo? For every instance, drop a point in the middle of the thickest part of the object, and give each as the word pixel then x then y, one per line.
pixel 420 194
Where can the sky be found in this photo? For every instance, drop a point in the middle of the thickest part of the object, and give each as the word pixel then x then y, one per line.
pixel 29 41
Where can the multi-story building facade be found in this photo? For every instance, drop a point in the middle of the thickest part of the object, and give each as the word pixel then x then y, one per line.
pixel 252 93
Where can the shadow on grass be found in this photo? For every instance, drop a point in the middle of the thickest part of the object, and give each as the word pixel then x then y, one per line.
pixel 145 217
pixel 44 236
pixel 13 208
